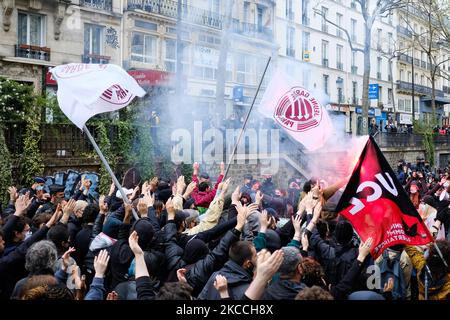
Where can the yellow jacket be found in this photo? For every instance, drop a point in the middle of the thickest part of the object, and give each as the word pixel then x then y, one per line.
pixel 211 219
pixel 434 293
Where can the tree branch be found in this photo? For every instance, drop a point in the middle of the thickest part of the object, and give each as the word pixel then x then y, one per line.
pixel 341 28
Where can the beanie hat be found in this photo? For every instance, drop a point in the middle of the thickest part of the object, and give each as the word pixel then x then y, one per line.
pixel 343 232
pixel 145 231
pixel 273 241
pixel 111 227
pixel 194 251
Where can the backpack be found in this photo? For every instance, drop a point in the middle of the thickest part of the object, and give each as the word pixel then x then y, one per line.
pixel 390 268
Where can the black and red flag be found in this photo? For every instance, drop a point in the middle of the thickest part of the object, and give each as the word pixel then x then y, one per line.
pixel 377 206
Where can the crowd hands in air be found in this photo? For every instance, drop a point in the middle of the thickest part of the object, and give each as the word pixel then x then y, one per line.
pixel 195 241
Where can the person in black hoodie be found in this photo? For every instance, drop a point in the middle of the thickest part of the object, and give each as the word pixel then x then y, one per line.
pixel 121 254
pixel 289 284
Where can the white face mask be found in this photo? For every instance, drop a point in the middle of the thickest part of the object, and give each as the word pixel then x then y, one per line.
pixel 444 196
pixel 28 234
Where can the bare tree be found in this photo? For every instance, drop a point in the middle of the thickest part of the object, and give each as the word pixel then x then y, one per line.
pixel 370 10
pixel 429 41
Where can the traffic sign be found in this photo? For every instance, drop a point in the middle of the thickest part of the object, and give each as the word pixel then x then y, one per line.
pixel 373 91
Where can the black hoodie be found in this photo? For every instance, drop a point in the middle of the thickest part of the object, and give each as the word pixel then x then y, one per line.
pixel 283 289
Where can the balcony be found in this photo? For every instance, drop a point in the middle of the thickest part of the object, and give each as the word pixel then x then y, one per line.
pixel 252 30
pixel 418 89
pixel 354 70
pixel 405 58
pixel 404 31
pixel 290 52
pixel 105 5
pixel 340 65
pixel 379 75
pixel 95 58
pixel 32 52
pixel 325 62
pixel 170 9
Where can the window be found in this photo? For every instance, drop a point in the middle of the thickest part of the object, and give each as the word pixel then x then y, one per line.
pixel 379 39
pixel 379 61
pixel 390 43
pixel 245 69
pixel 324 22
pixel 353 4
pixel 325 53
pixel 305 43
pixel 409 76
pixel 214 6
pixel 289 12
pixel 340 86
pixel 339 63
pixel 353 30
pixel 401 105
pixel 246 11
pixel 31 29
pixel 339 23
pixel 290 36
pixel 390 18
pixel 354 67
pixel 422 80
pixel 408 105
pixel 143 47
pixel 305 18
pixel 390 96
pixel 380 93
pixel 306 75
pixel 416 77
pixel 325 83
pixel 402 75
pixel 390 71
pixel 354 92
pixel 93 39
pixel 260 15
pixel 171 55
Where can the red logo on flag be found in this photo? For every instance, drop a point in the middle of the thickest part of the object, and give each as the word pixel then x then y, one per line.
pixel 116 95
pixel 298 111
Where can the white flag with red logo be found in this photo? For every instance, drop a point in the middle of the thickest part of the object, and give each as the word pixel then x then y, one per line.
pixel 85 90
pixel 297 111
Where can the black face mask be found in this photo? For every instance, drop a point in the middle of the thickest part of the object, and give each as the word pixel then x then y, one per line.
pixel 269 180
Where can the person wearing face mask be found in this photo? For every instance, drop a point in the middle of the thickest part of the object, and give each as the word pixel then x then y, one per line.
pixel 428 213
pixel 268 187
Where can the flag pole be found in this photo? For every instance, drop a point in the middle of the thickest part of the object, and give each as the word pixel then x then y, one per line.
pixel 108 168
pixel 246 119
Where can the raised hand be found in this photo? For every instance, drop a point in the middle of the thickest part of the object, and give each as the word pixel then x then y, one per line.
pixel 305 241
pixel 13 195
pixel 112 188
pixel 170 209
pixel 66 258
pixel 181 185
pixel 101 263
pixel 134 245
pixel 128 213
pixel 389 285
pixel 296 221
pixel 225 186
pixel 142 207
pixel 103 205
pixel 241 217
pixel 196 167
pixel 364 249
pixel 22 204
pixel 236 195
pixel 268 264
pixel 222 168
pixel 259 197
pixel 264 221
pixel 221 285
pixel 181 275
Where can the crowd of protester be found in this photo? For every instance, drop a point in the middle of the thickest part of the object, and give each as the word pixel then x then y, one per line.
pixel 195 241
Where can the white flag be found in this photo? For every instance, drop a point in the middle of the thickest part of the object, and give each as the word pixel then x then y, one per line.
pixel 295 109
pixel 85 90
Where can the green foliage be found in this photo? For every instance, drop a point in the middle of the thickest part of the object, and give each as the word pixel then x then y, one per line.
pixel 426 129
pixel 143 151
pixel 16 100
pixel 186 171
pixel 105 146
pixel 31 161
pixel 5 168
